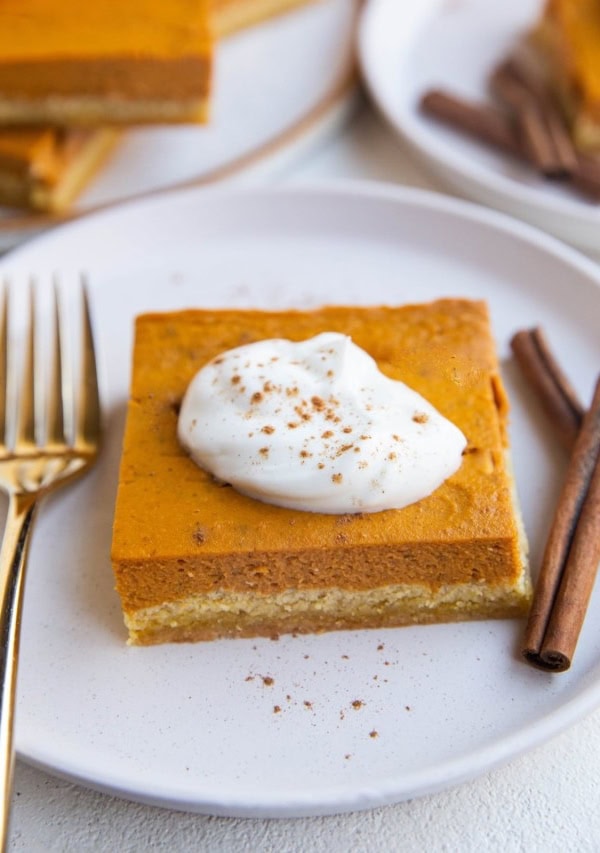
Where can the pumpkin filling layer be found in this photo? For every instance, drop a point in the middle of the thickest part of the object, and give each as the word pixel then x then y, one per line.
pixel 195 559
pixel 68 63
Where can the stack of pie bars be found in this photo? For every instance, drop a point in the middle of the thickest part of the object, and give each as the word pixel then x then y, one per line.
pixel 72 74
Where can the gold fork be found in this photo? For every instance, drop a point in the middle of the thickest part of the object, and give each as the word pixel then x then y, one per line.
pixel 38 453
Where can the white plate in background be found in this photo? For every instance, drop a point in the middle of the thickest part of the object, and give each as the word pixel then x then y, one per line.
pixel 407 48
pixel 280 88
pixel 193 726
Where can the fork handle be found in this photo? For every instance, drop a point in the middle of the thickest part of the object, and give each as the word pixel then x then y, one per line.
pixel 13 558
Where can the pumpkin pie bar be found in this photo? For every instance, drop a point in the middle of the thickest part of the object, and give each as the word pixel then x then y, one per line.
pixel 45 169
pixel 194 559
pixel 105 62
pixel 566 43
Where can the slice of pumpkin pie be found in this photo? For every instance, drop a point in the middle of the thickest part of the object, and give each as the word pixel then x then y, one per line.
pixel 344 507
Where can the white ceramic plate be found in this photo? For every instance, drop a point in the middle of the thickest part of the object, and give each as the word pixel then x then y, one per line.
pixel 193 726
pixel 279 89
pixel 407 48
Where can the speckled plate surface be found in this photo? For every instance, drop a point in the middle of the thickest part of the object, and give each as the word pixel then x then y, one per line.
pixel 302 725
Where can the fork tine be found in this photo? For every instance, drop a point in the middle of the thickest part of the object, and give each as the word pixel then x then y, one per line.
pixel 3 365
pixel 87 430
pixel 56 418
pixel 25 437
pixel 27 474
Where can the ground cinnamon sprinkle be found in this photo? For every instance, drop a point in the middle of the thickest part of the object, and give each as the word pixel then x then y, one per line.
pixel 268 429
pixel 198 535
pixel 256 397
pixel 373 733
pixel 268 681
pixel 302 413
pixel 420 418
pixel 357 704
pixel 336 478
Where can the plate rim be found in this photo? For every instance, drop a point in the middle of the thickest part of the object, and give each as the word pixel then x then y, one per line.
pixel 436 200
pixel 348 796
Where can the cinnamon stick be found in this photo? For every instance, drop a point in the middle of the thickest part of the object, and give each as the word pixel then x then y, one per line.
pixel 561 138
pixel 576 583
pixel 528 137
pixel 557 396
pixel 571 556
pixel 534 136
pixel 539 143
pixel 545 134
pixel 587 176
pixel 483 122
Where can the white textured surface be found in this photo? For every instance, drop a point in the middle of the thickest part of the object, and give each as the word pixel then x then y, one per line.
pixel 547 800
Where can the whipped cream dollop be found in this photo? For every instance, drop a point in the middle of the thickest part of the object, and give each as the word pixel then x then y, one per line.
pixel 316 426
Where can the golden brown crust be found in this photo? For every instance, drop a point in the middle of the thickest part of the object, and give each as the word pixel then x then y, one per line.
pixel 94 111
pixel 45 169
pixel 393 606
